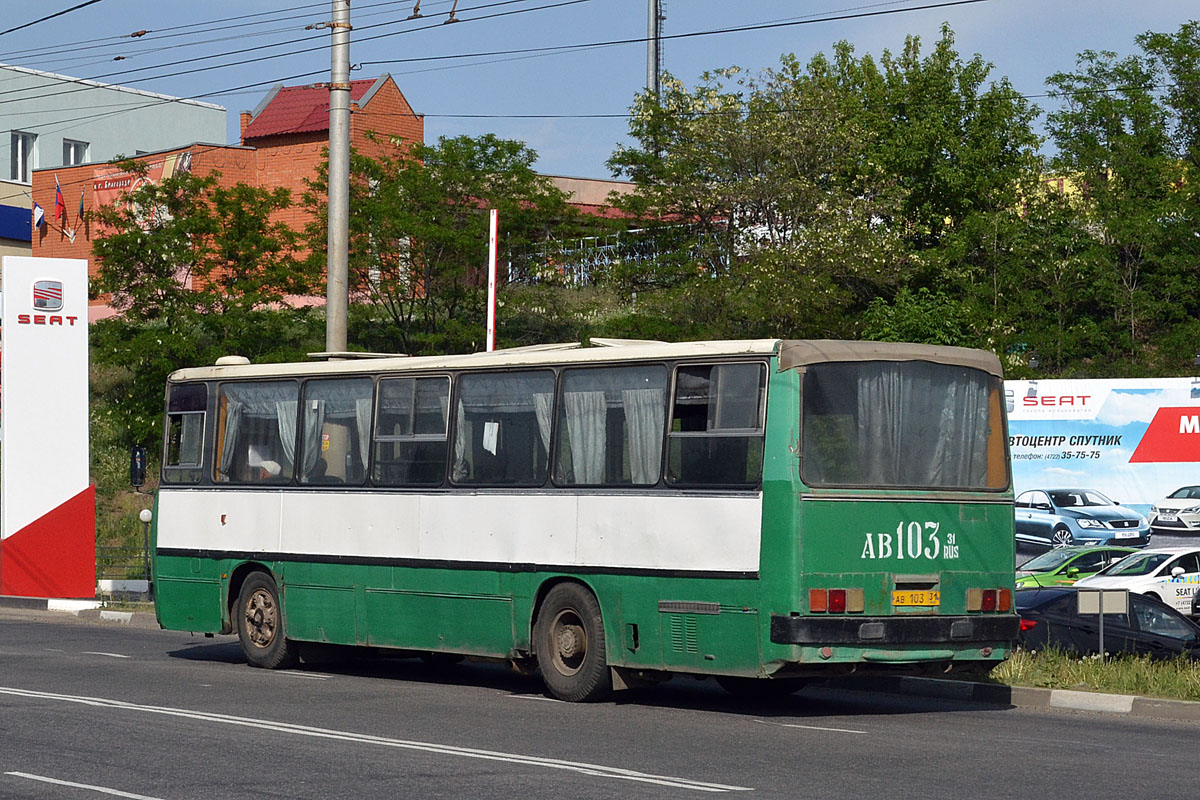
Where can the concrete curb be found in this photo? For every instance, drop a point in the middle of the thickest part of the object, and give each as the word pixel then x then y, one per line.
pixel 1030 697
pixel 82 609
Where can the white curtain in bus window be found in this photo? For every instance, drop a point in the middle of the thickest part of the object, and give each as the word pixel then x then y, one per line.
pixel 502 428
pixel 185 433
pixel 912 423
pixel 716 436
pixel 410 431
pixel 256 430
pixel 337 427
pixel 611 426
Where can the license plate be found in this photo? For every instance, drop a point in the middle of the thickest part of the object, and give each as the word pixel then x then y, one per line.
pixel 1127 534
pixel 1166 517
pixel 916 598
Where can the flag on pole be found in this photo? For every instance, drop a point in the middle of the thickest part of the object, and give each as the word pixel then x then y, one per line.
pixel 39 216
pixel 60 205
pixel 81 193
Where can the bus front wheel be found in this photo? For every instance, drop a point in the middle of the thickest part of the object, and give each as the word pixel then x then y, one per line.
pixel 570 645
pixel 260 625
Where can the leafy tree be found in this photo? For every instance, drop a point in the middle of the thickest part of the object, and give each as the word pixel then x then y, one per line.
pixel 188 244
pixel 419 233
pixel 815 190
pixel 1129 146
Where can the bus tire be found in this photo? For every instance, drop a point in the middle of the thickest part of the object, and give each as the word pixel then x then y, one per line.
pixel 260 625
pixel 569 638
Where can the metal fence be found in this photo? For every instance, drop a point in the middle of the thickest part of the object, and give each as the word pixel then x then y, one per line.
pixel 124 570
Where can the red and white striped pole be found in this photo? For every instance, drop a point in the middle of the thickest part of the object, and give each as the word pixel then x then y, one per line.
pixel 493 227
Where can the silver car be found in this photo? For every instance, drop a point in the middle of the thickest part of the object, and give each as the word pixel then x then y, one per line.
pixel 1063 517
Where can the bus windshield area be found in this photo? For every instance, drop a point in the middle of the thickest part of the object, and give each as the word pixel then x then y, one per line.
pixel 882 424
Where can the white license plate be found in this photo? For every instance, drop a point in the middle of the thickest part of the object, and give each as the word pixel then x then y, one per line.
pixel 1166 517
pixel 1127 534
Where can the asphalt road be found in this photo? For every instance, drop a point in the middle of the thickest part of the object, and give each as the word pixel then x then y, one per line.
pixel 93 710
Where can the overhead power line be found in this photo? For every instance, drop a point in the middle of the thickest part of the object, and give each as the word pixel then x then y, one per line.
pixel 51 16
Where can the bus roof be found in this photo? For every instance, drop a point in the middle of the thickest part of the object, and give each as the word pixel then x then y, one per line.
pixel 792 353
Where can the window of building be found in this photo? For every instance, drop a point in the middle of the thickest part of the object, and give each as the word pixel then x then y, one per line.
pixel 337 427
pixel 716 436
pixel 610 426
pixel 410 431
pixel 502 428
pixel 23 156
pixel 74 152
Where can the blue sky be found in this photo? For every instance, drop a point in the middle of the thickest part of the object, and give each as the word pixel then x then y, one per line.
pixel 1026 40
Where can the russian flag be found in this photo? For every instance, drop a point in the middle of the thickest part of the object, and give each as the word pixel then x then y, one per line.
pixel 39 216
pixel 60 205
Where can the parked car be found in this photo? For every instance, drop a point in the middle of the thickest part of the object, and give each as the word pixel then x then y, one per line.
pixel 1168 574
pixel 1178 512
pixel 1064 517
pixel 1065 565
pixel 1050 617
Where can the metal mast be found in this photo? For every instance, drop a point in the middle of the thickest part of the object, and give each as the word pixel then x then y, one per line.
pixel 653 49
pixel 337 294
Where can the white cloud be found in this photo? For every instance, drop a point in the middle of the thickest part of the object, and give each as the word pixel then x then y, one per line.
pixel 1121 409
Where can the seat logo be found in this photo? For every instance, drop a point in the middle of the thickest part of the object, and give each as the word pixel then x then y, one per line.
pixel 48 295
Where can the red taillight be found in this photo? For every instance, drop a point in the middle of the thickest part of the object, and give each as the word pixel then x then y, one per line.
pixel 1005 601
pixel 989 600
pixel 1028 624
pixel 818 600
pixel 837 601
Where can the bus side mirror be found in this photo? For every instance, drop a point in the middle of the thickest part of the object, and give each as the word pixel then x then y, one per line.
pixel 137 466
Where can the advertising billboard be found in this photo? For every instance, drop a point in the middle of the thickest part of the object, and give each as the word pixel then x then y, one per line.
pixel 1134 440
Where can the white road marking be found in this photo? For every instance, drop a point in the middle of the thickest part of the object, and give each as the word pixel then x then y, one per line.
pixel 304 675
pixel 535 697
pixel 110 655
pixel 596 770
pixel 807 727
pixel 73 785
pixel 53 650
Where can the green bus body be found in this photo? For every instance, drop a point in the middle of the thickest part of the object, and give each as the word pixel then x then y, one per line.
pixel 741 622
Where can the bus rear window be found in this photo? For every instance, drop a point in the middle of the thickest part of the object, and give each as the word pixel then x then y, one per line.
pixel 902 424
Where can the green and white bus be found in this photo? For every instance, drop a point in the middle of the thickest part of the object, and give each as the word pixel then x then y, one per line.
pixel 765 511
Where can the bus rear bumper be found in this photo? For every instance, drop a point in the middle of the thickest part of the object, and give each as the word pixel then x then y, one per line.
pixel 907 630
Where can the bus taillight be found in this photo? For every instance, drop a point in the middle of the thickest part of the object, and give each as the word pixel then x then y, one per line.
pixel 1004 603
pixel 989 600
pixel 837 601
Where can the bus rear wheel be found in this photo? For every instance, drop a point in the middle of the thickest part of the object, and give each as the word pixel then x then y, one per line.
pixel 260 625
pixel 569 638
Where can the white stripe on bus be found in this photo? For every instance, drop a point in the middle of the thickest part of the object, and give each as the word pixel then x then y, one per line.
pixel 596 770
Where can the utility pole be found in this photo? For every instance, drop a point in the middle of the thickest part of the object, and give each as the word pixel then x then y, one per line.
pixel 653 56
pixel 337 293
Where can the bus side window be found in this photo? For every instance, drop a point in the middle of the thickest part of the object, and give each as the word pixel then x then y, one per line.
pixel 335 428
pixel 716 434
pixel 502 428
pixel 256 432
pixel 410 431
pixel 610 426
pixel 184 437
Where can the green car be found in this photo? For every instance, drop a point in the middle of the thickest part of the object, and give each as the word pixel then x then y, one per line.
pixel 1064 566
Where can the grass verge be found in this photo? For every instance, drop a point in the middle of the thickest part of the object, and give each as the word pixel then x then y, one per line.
pixel 1177 679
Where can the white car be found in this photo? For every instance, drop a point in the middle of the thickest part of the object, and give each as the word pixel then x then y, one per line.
pixel 1170 574
pixel 1178 512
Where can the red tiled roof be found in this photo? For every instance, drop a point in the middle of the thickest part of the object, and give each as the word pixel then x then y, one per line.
pixel 299 109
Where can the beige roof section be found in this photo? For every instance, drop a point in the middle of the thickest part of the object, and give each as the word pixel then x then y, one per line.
pixel 801 352
pixel 792 353
pixel 590 191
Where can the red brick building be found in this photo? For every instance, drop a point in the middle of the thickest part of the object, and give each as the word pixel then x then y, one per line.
pixel 283 141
